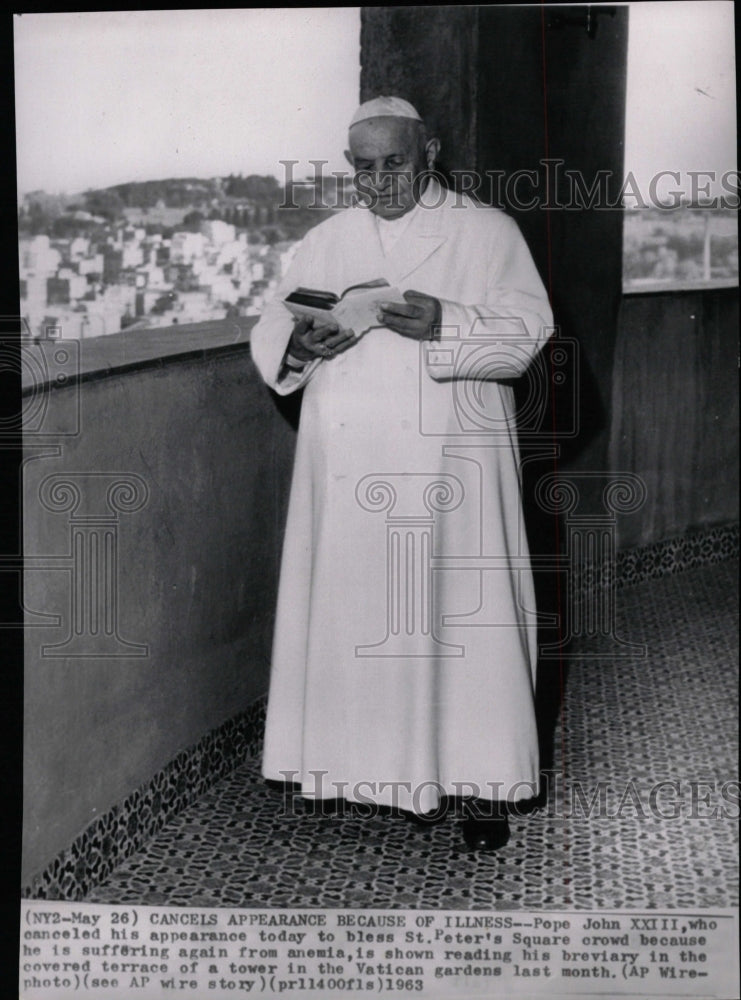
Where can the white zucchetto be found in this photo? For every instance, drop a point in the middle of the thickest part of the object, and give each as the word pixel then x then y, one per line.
pixel 385 107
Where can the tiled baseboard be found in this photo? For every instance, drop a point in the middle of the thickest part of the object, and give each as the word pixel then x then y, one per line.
pixel 122 831
pixel 648 562
pixel 674 555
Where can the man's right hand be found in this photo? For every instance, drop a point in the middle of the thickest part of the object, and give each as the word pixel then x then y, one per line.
pixel 313 339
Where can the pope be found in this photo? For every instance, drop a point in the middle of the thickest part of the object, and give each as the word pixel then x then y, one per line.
pixel 404 652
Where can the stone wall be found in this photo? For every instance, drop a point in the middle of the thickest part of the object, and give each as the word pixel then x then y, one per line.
pixel 185 591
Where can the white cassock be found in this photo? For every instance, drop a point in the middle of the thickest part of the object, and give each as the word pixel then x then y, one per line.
pixel 405 642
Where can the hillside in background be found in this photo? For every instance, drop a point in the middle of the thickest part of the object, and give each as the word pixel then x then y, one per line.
pixel 255 202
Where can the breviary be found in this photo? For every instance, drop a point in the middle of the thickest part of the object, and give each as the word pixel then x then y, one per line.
pixel 354 309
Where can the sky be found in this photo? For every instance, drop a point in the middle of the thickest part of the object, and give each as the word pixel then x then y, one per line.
pixel 108 97
pixel 104 98
pixel 681 88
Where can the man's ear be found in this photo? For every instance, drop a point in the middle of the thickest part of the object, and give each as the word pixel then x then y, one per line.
pixel 432 151
pixel 348 157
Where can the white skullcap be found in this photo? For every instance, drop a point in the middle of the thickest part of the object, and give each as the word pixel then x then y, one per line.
pixel 385 107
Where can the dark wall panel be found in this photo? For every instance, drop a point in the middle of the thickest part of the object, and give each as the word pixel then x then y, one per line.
pixel 551 92
pixel 427 55
pixel 675 410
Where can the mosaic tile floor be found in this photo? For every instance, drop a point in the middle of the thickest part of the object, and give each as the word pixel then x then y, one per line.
pixel 609 835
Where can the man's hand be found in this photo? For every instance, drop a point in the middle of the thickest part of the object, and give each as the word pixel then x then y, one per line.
pixel 312 339
pixel 419 319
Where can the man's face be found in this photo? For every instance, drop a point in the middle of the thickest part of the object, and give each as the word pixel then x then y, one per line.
pixel 388 155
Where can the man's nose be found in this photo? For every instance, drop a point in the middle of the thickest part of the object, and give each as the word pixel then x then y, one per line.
pixel 385 179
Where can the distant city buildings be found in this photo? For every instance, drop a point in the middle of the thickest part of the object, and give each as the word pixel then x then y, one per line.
pixel 152 266
pixel 684 245
pixel 88 288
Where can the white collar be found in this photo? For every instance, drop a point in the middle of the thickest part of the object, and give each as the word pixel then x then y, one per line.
pixel 390 231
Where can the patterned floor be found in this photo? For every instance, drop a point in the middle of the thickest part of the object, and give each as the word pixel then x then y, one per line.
pixel 610 835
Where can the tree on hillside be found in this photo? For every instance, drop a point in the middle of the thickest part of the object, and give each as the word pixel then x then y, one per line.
pixel 262 189
pixel 192 221
pixel 106 203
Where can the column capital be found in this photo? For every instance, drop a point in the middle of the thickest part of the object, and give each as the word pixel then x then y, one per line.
pixel 405 496
pixel 93 496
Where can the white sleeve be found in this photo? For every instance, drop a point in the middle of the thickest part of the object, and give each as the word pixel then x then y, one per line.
pixel 508 329
pixel 270 336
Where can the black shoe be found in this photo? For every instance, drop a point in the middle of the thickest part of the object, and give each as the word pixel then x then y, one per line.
pixel 485 834
pixel 425 820
pixel 323 807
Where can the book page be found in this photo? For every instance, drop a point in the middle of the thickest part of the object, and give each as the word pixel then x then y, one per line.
pixel 358 311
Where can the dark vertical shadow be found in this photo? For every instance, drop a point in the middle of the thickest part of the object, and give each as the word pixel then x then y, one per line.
pixel 289 407
pixel 573 414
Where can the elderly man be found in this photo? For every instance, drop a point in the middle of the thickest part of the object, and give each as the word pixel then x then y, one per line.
pixel 404 652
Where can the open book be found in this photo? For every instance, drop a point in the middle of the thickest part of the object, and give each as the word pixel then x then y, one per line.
pixel 355 309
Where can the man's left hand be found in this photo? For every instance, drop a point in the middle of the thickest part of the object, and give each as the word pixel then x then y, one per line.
pixel 418 319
